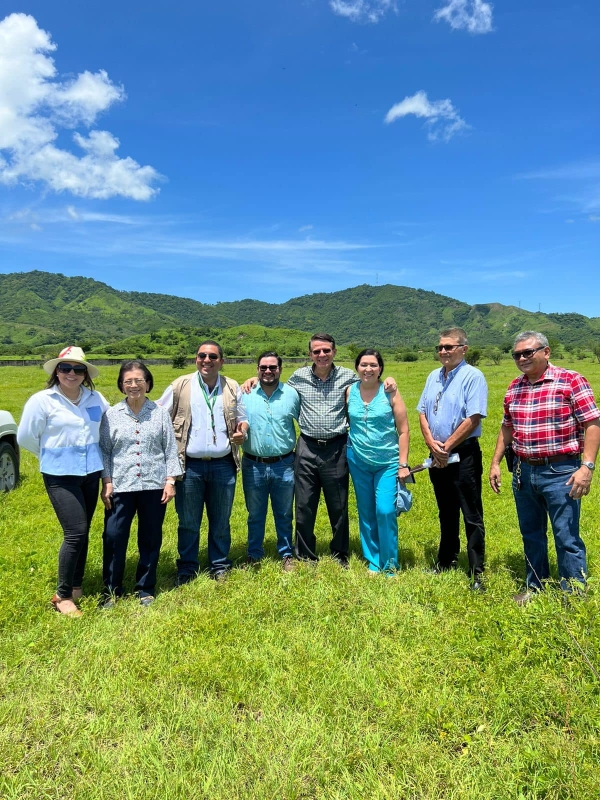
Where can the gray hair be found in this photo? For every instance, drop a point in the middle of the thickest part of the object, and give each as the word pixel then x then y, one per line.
pixel 455 333
pixel 539 337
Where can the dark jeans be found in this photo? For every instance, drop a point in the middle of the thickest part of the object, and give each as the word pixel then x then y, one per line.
pixel 74 499
pixel 117 526
pixel 457 488
pixel 323 468
pixel 211 484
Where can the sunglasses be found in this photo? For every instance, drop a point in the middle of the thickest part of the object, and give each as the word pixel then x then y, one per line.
pixel 211 356
pixel 268 368
pixel 322 350
pixel 525 353
pixel 439 348
pixel 78 369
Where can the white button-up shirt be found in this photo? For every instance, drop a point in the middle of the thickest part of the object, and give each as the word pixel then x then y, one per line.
pixel 64 436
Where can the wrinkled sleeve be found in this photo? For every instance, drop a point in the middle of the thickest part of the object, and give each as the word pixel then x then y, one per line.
pixel 106 447
pixel 241 414
pixel 477 393
pixel 33 422
pixel 172 462
pixel 584 403
pixel 166 399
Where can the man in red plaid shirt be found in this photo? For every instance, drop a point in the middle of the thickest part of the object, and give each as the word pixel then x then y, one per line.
pixel 552 424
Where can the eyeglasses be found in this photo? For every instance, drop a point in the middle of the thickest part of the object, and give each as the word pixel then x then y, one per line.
pixel 211 356
pixel 134 382
pixel 447 347
pixel 268 368
pixel 78 369
pixel 518 355
pixel 322 350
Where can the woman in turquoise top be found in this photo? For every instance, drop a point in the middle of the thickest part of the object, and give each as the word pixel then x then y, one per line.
pixel 377 455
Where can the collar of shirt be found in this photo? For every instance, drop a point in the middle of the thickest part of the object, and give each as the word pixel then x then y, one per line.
pixel 216 388
pixel 144 410
pixel 549 374
pixel 259 390
pixel 451 374
pixel 331 375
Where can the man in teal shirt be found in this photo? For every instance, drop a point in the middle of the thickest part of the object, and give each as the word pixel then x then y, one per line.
pixel 268 462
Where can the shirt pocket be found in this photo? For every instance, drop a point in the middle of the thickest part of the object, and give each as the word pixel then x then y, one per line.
pixel 94 413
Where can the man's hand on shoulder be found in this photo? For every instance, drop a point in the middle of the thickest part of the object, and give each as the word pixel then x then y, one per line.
pixel 248 385
pixel 390 386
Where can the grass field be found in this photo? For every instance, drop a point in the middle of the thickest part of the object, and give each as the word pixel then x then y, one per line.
pixel 321 683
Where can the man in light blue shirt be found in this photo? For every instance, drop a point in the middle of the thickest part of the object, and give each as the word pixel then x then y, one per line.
pixel 268 461
pixel 451 408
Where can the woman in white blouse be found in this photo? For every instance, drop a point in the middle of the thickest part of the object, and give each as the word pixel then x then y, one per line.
pixel 140 466
pixel 61 425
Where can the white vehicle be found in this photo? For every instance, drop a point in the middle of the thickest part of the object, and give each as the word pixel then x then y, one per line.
pixel 9 452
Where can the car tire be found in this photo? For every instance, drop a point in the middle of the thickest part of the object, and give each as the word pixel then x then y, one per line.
pixel 9 468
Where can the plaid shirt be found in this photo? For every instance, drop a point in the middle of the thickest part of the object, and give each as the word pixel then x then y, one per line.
pixel 322 403
pixel 547 416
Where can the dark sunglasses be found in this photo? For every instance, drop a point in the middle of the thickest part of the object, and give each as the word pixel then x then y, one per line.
pixel 439 348
pixel 211 356
pixel 324 350
pixel 268 368
pixel 518 355
pixel 78 369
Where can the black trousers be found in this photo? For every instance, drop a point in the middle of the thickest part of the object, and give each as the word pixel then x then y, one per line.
pixel 321 468
pixel 457 488
pixel 74 499
pixel 117 525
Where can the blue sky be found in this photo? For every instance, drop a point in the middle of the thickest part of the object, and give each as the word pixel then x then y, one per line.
pixel 274 149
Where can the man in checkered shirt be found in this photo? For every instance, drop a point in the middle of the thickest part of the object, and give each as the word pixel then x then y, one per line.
pixel 552 424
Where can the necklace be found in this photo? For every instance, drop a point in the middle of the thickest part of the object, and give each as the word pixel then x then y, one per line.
pixel 79 396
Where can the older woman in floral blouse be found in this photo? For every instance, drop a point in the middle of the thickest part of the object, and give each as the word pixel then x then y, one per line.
pixel 140 467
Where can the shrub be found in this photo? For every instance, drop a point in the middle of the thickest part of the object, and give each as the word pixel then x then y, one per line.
pixel 473 356
pixel 179 360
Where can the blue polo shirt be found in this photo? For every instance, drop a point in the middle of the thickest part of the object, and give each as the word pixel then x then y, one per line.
pixel 271 420
pixel 462 393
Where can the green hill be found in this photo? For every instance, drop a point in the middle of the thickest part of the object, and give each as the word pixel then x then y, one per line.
pixel 41 309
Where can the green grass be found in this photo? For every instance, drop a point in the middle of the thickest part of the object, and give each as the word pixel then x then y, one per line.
pixel 321 683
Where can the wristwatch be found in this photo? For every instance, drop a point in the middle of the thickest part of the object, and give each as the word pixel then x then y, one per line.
pixel 589 464
pixel 403 466
pixel 171 482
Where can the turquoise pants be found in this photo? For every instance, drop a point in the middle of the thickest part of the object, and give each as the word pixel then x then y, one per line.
pixel 375 489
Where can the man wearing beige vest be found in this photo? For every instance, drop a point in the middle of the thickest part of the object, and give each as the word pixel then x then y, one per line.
pixel 210 422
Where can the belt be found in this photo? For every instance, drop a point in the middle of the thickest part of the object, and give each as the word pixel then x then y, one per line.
pixel 208 458
pixel 538 462
pixel 325 442
pixel 267 459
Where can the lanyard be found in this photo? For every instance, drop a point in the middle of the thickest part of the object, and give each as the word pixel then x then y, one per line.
pixel 210 404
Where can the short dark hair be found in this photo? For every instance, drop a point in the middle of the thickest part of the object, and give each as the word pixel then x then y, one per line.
pixel 214 344
pixel 270 354
pixel 53 380
pixel 128 366
pixel 455 333
pixel 321 337
pixel 369 352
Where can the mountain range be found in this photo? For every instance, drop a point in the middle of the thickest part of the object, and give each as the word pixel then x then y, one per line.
pixel 40 309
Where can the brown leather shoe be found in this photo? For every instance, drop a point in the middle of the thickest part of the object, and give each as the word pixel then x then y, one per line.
pixel 77 593
pixel 65 605
pixel 288 564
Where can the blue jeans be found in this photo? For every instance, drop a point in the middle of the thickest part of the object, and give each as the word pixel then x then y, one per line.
pixel 375 489
pixel 211 484
pixel 544 494
pixel 260 482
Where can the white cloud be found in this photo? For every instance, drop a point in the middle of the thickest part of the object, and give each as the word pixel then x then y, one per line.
pixel 363 10
pixel 579 170
pixel 581 178
pixel 35 105
pixel 474 16
pixel 305 228
pixel 443 120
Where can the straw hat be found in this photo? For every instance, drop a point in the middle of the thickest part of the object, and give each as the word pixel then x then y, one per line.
pixel 74 354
